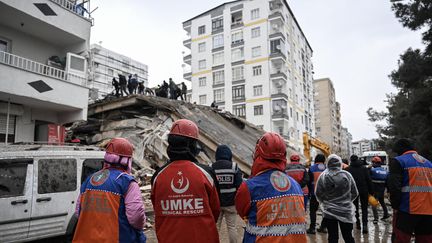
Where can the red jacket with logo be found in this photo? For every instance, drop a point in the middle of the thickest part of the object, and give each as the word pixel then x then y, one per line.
pixel 186 203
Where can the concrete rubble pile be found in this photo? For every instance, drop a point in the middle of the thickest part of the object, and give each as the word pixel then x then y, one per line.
pixel 146 120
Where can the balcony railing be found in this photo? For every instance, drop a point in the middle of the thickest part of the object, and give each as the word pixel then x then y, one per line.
pixel 78 9
pixel 39 68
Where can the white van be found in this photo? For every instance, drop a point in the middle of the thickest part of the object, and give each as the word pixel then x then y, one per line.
pixel 368 156
pixel 39 186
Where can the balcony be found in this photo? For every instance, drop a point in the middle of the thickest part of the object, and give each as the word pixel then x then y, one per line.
pixel 187 43
pixel 77 9
pixel 279 75
pixel 236 24
pixel 187 76
pixel 187 26
pixel 280 115
pixel 187 59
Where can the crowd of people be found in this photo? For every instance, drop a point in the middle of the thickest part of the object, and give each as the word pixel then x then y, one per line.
pixel 191 200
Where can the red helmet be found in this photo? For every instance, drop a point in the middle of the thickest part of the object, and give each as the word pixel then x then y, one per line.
pixel 185 128
pixel 295 157
pixel 271 146
pixel 120 146
pixel 376 159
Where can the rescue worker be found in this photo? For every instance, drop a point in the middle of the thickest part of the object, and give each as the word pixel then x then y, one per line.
pixel 336 191
pixel 185 193
pixel 230 178
pixel 410 187
pixel 116 86
pixel 270 200
pixel 364 185
pixel 110 206
pixel 314 172
pixel 379 180
pixel 299 173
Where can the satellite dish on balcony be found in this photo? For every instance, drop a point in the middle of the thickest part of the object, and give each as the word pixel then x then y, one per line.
pixel 278 47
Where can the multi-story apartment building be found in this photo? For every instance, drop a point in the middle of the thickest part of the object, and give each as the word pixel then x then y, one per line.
pixel 253 59
pixel 327 113
pixel 43 68
pixel 107 64
pixel 345 146
pixel 361 146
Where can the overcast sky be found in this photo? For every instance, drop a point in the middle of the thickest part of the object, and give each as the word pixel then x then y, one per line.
pixel 356 44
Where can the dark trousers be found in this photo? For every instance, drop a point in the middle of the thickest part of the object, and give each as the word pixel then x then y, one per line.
pixel 379 195
pixel 364 208
pixel 333 230
pixel 123 89
pixel 407 225
pixel 313 208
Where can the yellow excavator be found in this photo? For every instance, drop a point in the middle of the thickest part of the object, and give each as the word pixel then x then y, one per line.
pixel 309 142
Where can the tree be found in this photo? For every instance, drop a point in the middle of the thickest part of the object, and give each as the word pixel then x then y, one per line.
pixel 409 111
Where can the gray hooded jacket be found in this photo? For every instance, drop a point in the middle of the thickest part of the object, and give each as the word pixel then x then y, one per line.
pixel 335 190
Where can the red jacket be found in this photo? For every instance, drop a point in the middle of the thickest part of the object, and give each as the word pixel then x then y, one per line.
pixel 186 203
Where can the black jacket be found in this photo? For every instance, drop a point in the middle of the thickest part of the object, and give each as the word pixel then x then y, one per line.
pixel 361 177
pixel 230 178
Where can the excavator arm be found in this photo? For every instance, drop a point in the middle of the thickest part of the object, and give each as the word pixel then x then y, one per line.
pixel 309 142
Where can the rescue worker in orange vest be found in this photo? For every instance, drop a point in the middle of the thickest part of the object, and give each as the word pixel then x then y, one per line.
pixel 110 206
pixel 270 200
pixel 185 193
pixel 299 173
pixel 410 187
pixel 314 172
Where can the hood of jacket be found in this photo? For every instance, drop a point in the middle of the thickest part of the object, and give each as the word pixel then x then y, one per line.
pixel 260 165
pixel 334 162
pixel 223 152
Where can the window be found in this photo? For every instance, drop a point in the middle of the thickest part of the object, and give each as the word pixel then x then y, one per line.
pixel 201 47
pixel 258 110
pixel 255 13
pixel 237 37
pixel 90 166
pixel 238 73
pixel 219 77
pixel 276 46
pixel 280 131
pixel 57 175
pixel 202 81
pixel 256 32
pixel 297 115
pixel 257 70
pixel 236 18
pixel 256 51
pixel 218 58
pixel 279 107
pixel 110 72
pixel 237 54
pixel 218 41
pixel 239 110
pixel 201 64
pixel 203 99
pixel 201 30
pixel 219 95
pixel 257 89
pixel 13 177
pixel 238 92
pixel 217 24
pixel 291 113
pixel 4 46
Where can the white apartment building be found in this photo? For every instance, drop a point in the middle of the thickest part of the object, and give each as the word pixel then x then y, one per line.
pixel 107 64
pixel 252 59
pixel 361 146
pixel 39 93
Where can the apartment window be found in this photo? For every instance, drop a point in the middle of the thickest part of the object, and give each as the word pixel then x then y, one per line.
pixel 255 13
pixel 276 46
pixel 4 45
pixel 237 37
pixel 236 18
pixel 219 77
pixel 201 30
pixel 218 58
pixel 239 110
pixel 257 90
pixel 256 32
pixel 256 51
pixel 297 116
pixel 201 47
pixel 238 92
pixel 291 112
pixel 219 95
pixel 201 64
pixel 217 24
pixel 238 73
pixel 203 99
pixel 218 41
pixel 237 54
pixel 280 131
pixel 110 72
pixel 258 110
pixel 257 70
pixel 202 81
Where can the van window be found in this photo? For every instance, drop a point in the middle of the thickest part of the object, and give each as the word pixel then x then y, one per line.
pixel 12 177
pixel 90 166
pixel 57 175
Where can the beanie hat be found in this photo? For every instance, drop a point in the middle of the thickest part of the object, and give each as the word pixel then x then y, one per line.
pixel 223 152
pixel 319 158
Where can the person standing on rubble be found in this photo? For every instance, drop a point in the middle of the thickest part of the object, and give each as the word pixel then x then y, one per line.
pixel 270 200
pixel 183 91
pixel 116 86
pixel 110 206
pixel 185 193
pixel 230 178
pixel 123 84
